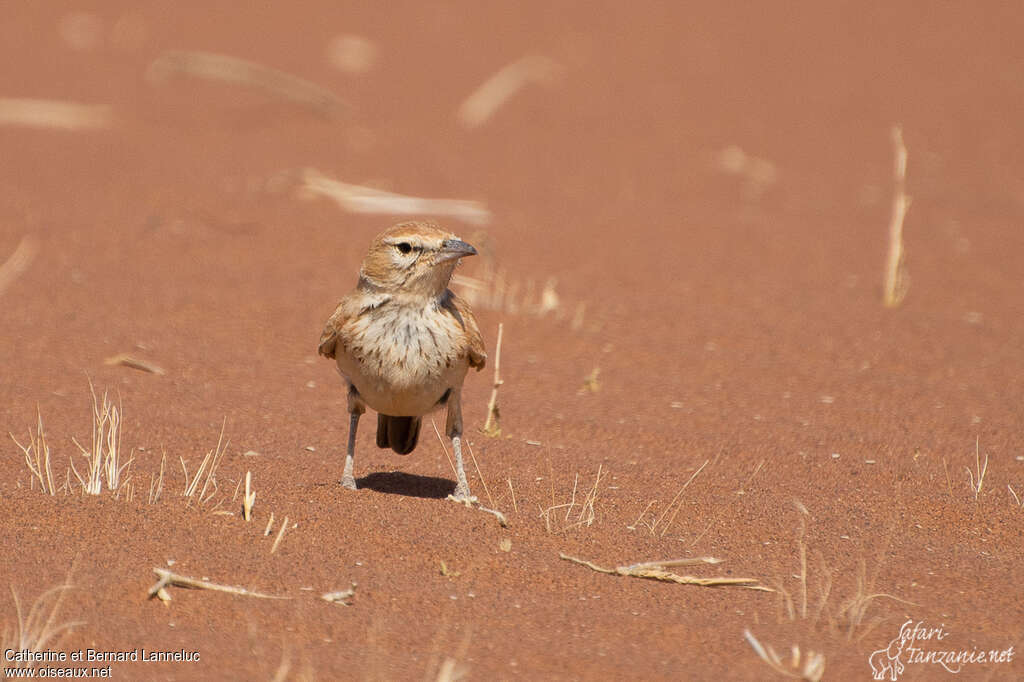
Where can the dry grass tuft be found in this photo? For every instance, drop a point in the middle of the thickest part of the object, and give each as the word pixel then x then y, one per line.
pixel 37 456
pixel 810 667
pixel 585 515
pixel 208 467
pixel 849 618
pixel 38 630
pixel 104 457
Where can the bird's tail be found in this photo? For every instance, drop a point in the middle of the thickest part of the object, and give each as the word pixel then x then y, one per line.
pixel 398 433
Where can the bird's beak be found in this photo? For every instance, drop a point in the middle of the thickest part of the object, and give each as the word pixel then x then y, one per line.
pixel 454 248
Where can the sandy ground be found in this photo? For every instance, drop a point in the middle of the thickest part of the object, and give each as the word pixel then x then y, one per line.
pixel 704 193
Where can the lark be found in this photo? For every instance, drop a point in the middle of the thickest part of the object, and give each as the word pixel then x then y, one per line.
pixel 404 342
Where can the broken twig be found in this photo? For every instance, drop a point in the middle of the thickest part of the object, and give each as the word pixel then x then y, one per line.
pixel 168 578
pixel 656 570
pixel 896 280
pixel 360 199
pixel 126 360
pixel 227 69
pixel 343 597
pixel 491 426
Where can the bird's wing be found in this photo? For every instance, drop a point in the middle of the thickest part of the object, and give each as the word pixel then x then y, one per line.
pixel 350 307
pixel 474 340
pixel 329 336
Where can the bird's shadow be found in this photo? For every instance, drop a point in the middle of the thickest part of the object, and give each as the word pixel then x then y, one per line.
pixel 410 485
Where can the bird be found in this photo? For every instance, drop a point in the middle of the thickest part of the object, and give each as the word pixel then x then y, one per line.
pixel 404 342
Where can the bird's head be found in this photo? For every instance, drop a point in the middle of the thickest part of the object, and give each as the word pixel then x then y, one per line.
pixel 414 258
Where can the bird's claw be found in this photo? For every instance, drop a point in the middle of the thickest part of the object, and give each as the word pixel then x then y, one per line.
pixel 463 497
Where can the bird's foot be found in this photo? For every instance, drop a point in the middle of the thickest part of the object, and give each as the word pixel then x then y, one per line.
pixel 461 494
pixel 348 482
pixel 471 502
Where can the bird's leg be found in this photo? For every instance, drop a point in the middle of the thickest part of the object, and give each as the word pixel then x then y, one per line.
pixel 454 429
pixel 462 488
pixel 347 478
pixel 355 409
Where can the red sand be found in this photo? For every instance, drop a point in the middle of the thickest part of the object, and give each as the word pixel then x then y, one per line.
pixel 732 322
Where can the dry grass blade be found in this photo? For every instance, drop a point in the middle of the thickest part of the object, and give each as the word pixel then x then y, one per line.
pixel 170 579
pixel 359 199
pixel 671 563
pixel 280 534
pixel 226 69
pixel 802 549
pixel 126 360
pixel 491 426
pixel 1016 498
pixel 18 262
pixel 479 473
pixel 440 440
pixel 896 280
pixel 496 90
pixel 976 479
pixel 37 456
pixel 156 485
pixel 343 597
pixel 37 630
pixel 656 570
pixel 677 502
pixel 813 668
pixel 54 114
pixel 249 499
pixel 742 490
pixel 209 467
pixel 515 505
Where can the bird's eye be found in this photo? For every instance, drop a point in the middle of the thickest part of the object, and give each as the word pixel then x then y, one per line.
pixel 404 247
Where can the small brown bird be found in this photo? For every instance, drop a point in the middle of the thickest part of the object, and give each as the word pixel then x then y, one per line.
pixel 404 342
